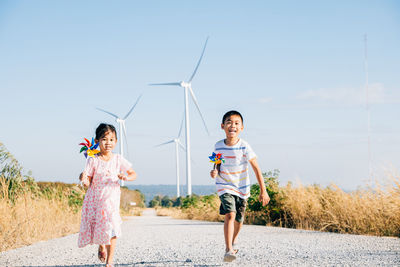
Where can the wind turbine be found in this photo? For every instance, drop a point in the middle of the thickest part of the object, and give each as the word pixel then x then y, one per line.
pixel 187 86
pixel 122 128
pixel 177 145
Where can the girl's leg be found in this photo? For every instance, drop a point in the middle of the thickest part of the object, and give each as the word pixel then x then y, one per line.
pixel 110 250
pixel 102 253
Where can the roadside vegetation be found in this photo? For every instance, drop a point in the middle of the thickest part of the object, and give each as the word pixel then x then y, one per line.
pixel 373 210
pixel 32 211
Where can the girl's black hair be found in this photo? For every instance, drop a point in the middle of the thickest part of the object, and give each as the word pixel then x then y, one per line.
pixel 103 128
pixel 230 113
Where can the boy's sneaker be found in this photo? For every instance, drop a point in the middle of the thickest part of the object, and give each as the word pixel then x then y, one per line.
pixel 230 256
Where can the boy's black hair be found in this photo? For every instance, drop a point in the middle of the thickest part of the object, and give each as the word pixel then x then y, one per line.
pixel 103 128
pixel 230 113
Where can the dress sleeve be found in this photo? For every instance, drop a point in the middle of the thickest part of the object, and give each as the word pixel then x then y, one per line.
pixel 124 164
pixel 249 152
pixel 89 168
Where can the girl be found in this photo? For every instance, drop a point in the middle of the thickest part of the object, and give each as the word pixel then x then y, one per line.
pixel 101 222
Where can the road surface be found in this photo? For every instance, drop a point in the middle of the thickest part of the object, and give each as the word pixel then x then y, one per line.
pixel 149 240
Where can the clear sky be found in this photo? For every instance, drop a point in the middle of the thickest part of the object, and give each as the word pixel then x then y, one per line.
pixel 294 69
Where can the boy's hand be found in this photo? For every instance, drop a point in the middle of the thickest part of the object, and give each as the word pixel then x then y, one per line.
pixel 214 173
pixel 264 198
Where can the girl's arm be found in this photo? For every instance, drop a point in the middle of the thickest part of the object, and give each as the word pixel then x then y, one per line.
pixel 263 198
pixel 130 177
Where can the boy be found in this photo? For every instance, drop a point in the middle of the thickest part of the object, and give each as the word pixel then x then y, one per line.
pixel 232 179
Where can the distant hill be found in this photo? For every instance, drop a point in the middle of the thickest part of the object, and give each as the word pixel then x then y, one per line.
pixel 150 191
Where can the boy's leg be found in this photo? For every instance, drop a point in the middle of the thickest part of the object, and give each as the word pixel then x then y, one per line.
pixel 110 250
pixel 237 227
pixel 228 208
pixel 229 230
pixel 240 204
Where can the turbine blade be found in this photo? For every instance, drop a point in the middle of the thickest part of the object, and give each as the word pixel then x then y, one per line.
pixel 198 63
pixel 198 108
pixel 171 84
pixel 165 143
pixel 112 114
pixel 181 146
pixel 130 111
pixel 180 130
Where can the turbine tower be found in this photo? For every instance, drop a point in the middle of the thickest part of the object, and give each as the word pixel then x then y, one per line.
pixel 187 86
pixel 122 128
pixel 177 145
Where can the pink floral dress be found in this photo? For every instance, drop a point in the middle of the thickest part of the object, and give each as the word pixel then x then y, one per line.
pixel 100 219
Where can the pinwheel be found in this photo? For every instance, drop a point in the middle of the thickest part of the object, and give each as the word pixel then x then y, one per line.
pixel 89 148
pixel 216 159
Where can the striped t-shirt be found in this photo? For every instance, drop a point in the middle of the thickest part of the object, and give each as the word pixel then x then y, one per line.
pixel 233 177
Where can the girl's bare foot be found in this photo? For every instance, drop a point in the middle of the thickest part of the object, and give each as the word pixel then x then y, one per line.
pixel 102 254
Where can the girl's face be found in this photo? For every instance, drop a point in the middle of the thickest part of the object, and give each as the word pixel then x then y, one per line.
pixel 107 142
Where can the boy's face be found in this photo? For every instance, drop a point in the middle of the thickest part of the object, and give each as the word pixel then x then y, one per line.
pixel 232 126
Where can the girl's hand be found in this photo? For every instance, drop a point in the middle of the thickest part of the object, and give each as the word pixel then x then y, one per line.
pixel 122 177
pixel 84 179
pixel 214 173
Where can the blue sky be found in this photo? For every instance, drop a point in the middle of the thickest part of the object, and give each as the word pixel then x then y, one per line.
pixel 294 70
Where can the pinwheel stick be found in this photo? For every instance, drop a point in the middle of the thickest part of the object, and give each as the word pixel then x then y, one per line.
pixel 217 159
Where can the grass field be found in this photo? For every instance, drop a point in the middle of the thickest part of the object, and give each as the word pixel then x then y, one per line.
pixel 373 210
pixel 33 211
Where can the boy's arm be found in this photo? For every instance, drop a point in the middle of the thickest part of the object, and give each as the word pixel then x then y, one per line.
pixel 264 198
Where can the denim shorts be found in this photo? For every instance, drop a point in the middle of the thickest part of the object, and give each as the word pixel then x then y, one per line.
pixel 232 203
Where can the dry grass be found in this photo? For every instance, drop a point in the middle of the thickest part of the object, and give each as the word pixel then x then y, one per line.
pixel 32 211
pixel 127 199
pixel 30 219
pixel 171 212
pixel 207 211
pixel 372 211
pixel 33 216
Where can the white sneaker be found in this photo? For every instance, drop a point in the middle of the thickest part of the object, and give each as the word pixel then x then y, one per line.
pixel 230 256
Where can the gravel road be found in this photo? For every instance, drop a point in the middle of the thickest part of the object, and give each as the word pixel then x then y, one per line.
pixel 162 241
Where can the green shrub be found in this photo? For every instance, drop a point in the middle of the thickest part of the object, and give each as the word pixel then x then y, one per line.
pixel 166 202
pixel 273 212
pixel 190 201
pixel 142 198
pixel 178 202
pixel 155 202
pixel 11 171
